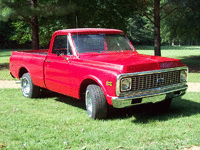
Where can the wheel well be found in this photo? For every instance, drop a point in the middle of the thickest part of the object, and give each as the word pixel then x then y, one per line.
pixel 22 71
pixel 83 87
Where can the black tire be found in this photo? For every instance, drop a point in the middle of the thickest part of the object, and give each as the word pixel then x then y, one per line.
pixel 96 103
pixel 28 88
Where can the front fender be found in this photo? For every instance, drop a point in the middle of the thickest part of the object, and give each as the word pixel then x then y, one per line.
pixel 108 89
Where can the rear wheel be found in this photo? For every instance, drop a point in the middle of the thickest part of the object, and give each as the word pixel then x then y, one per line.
pixel 28 88
pixel 96 103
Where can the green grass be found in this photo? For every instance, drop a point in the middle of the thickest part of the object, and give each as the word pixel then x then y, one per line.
pixel 59 122
pixel 194 77
pixel 179 52
pixel 189 55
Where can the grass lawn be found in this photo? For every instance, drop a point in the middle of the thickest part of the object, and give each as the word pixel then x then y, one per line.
pixel 59 122
pixel 189 55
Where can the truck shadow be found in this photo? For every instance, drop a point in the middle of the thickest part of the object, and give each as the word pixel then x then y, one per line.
pixel 63 99
pixel 146 113
pixel 142 114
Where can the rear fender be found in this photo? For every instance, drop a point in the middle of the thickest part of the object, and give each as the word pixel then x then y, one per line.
pixel 23 69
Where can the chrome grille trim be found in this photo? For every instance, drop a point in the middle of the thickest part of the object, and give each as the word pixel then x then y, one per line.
pixel 152 76
pixel 159 80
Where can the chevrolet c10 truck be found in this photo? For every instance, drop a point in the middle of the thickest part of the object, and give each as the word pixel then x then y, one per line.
pixel 101 67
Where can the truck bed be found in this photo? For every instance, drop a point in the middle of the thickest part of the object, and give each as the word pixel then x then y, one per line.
pixel 31 59
pixel 38 52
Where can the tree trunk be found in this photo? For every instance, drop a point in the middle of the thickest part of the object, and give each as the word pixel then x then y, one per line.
pixel 157 42
pixel 77 23
pixel 35 28
pixel 173 42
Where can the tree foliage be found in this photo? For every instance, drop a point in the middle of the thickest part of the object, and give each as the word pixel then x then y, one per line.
pixel 140 19
pixel 140 30
pixel 155 11
pixel 33 12
pixel 182 25
pixel 6 31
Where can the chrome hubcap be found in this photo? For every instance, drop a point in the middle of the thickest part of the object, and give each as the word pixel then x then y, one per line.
pixel 25 87
pixel 89 103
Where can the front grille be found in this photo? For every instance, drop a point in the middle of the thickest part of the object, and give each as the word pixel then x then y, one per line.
pixel 156 80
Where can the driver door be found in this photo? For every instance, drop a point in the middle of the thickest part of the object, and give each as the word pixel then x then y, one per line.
pixel 57 66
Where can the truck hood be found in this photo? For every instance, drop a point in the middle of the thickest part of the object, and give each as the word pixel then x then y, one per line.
pixel 130 62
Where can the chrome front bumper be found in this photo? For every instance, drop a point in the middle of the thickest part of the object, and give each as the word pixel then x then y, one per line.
pixel 149 95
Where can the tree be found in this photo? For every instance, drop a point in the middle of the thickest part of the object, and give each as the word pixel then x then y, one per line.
pixel 31 11
pixel 183 24
pixel 140 30
pixel 96 13
pixel 102 13
pixel 155 11
pixel 5 32
pixel 157 43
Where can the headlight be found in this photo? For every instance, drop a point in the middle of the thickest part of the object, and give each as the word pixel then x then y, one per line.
pixel 126 84
pixel 183 76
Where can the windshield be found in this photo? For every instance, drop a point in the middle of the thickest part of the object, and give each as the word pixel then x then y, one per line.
pixel 100 42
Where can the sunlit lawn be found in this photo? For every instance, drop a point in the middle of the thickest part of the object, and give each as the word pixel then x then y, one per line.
pixel 58 122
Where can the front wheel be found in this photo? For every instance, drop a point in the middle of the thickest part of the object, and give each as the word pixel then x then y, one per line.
pixel 96 103
pixel 28 88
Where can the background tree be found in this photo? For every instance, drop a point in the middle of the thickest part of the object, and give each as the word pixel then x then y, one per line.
pixel 33 12
pixel 182 26
pixel 140 19
pixel 101 13
pixel 140 30
pixel 5 33
pixel 155 11
pixel 93 13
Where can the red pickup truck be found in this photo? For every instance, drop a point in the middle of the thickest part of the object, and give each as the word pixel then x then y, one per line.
pixel 100 66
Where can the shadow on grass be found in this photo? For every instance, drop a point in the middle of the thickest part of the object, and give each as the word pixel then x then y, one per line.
pixel 5 52
pixel 180 47
pixel 193 62
pixel 63 99
pixel 146 113
pixel 143 114
pixel 72 101
pixel 5 55
pixel 4 66
pixel 151 112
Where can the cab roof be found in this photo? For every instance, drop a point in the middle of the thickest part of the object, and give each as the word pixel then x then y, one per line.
pixel 89 30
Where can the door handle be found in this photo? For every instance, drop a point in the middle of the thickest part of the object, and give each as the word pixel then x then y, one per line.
pixel 48 61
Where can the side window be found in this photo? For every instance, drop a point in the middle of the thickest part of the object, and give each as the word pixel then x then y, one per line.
pixel 61 45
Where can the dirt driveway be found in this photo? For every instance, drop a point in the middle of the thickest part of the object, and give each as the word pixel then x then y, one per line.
pixel 4 84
